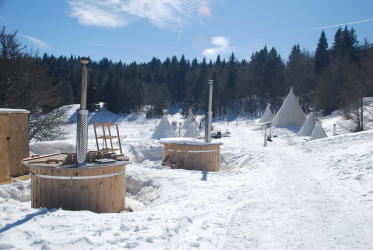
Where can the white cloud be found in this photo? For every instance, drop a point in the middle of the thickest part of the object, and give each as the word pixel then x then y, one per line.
pixel 96 13
pixel 204 11
pixel 222 46
pixel 37 42
pixel 116 13
pixel 343 24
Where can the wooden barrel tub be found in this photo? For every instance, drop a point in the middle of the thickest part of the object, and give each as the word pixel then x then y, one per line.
pixel 191 154
pixel 96 187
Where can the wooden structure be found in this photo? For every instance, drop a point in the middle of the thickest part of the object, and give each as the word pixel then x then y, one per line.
pixel 107 137
pixel 57 183
pixel 191 154
pixel 14 142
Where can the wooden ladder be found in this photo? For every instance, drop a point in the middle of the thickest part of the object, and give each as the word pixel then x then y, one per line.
pixel 106 135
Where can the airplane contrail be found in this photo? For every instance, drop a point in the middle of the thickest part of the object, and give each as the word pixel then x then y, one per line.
pixel 343 24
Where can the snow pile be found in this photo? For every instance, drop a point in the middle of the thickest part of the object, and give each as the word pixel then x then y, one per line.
pixel 164 129
pixel 317 132
pixel 308 125
pixel 290 113
pixel 52 147
pixel 140 150
pixel 19 191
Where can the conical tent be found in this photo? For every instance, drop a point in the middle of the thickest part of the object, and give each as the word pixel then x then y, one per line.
pixel 192 131
pixel 317 132
pixel 308 125
pixel 164 129
pixel 188 120
pixel 267 116
pixel 290 113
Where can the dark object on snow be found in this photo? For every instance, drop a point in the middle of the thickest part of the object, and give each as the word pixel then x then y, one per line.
pixel 269 138
pixel 216 135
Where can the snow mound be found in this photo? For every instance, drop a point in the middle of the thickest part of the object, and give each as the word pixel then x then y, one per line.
pixel 52 147
pixel 19 191
pixel 140 150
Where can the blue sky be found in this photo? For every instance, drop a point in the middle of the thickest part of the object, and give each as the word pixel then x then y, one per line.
pixel 137 30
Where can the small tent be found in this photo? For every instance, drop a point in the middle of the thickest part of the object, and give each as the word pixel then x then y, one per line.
pixel 308 125
pixel 192 131
pixel 188 120
pixel 267 116
pixel 318 132
pixel 290 113
pixel 164 129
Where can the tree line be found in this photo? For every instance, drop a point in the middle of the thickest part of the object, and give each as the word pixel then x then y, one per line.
pixel 333 77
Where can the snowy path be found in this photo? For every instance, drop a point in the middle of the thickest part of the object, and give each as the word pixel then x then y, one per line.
pixel 286 206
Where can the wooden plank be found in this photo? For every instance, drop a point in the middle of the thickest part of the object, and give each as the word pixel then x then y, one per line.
pixel 107 136
pixel 4 148
pixel 84 192
pixel 100 202
pixel 69 193
pixel 48 189
pixel 92 193
pixel 76 191
pixel 59 186
pixel 119 140
pixel 18 143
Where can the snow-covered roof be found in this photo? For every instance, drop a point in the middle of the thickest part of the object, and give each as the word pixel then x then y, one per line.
pixel 290 113
pixel 189 141
pixel 13 111
pixel 308 125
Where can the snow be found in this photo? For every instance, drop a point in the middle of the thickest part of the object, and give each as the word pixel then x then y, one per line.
pixel 292 194
pixel 189 141
pixel 13 111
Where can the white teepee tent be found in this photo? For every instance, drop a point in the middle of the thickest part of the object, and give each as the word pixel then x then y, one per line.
pixel 308 125
pixel 188 120
pixel 318 132
pixel 192 131
pixel 290 113
pixel 164 129
pixel 267 116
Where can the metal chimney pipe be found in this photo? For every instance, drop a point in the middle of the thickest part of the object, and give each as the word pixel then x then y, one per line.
pixel 82 122
pixel 209 113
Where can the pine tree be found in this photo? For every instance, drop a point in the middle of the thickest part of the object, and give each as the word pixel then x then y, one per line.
pixel 322 55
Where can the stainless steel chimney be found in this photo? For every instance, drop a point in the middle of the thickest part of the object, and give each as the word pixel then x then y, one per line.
pixel 82 121
pixel 209 114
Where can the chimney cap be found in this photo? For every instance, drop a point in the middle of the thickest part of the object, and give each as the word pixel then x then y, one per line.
pixel 211 81
pixel 84 60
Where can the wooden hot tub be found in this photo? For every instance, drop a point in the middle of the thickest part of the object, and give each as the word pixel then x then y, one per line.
pixel 191 154
pixel 56 183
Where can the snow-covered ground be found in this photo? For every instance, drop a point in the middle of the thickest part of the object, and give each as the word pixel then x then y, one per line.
pixel 292 194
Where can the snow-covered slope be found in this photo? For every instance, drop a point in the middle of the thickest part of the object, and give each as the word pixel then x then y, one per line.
pixel 291 194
